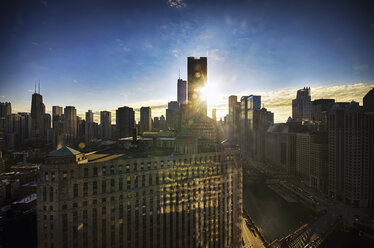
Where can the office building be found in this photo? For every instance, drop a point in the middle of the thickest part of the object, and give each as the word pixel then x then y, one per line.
pixel 173 105
pixel 5 109
pixel 145 119
pixel 109 200
pixel 197 80
pixel 70 124
pixel 302 106
pixel 89 119
pixel 320 108
pixel 214 114
pixel 106 125
pixel 350 153
pixel 125 121
pixel 37 112
pixel 182 91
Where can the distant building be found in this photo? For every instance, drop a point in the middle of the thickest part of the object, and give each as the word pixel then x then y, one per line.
pixel 182 91
pixel 172 116
pixel 70 125
pixel 5 109
pixel 106 125
pixel 37 112
pixel 214 114
pixel 145 119
pixel 125 121
pixel 280 147
pixel 320 108
pixel 197 80
pixel 232 119
pixel 162 122
pixel 173 105
pixel 56 114
pixel 302 105
pixel 89 119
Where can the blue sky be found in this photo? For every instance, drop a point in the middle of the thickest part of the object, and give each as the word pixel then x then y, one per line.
pixel 103 55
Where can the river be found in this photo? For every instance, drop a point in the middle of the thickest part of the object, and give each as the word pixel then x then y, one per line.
pixel 274 217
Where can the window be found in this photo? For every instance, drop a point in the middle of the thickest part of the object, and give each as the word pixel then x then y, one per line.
pixel 52 176
pixel 75 190
pixel 85 189
pixel 64 175
pixel 95 171
pixel 51 194
pixel 85 172
pixel 104 171
pixel 120 183
pixel 94 188
pixel 103 187
pixel 46 176
pixel 120 169
pixel 112 170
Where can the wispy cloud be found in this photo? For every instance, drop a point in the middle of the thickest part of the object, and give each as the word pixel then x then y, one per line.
pixel 176 4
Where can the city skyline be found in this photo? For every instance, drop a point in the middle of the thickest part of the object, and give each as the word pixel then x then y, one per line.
pixel 126 47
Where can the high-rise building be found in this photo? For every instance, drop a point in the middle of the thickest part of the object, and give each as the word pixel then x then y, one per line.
pixel 233 119
pixel 248 104
pixel 106 124
pixel 27 117
pixel 182 91
pixel 70 124
pixel 302 105
pixel 351 157
pixel 5 109
pixel 37 112
pixel 56 115
pixel 173 105
pixel 197 80
pixel 214 114
pixel 145 119
pixel 89 128
pixel 320 108
pixel 125 121
pixel 110 200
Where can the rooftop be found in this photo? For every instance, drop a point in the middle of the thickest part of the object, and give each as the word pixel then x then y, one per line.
pixel 64 152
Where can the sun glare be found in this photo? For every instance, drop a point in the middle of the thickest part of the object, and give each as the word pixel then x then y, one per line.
pixel 211 94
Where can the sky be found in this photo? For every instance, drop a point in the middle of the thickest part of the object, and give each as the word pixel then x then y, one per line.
pixel 101 55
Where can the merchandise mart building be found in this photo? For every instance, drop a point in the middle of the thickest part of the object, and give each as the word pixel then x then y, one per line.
pixel 115 198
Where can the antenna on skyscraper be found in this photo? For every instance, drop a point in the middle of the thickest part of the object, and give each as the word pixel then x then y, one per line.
pixel 179 73
pixel 39 88
pixel 35 87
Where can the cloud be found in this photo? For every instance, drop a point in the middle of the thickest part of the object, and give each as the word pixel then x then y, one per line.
pixel 35 43
pixel 176 4
pixel 75 81
pixel 175 53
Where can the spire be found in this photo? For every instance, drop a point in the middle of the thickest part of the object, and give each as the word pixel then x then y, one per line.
pixel 39 88
pixel 179 73
pixel 35 87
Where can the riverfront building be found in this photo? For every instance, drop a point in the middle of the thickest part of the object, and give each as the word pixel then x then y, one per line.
pixel 118 199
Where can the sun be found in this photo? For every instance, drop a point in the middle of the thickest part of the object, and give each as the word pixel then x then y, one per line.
pixel 211 94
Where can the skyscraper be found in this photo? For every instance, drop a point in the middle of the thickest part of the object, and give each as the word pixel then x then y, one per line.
pixel 197 80
pixel 106 124
pixel 89 128
pixel 125 121
pixel 70 124
pixel 350 153
pixel 56 115
pixel 214 114
pixel 173 105
pixel 182 91
pixel 145 119
pixel 5 109
pixel 37 112
pixel 302 105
